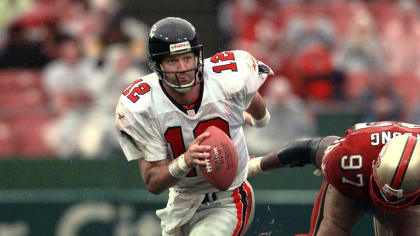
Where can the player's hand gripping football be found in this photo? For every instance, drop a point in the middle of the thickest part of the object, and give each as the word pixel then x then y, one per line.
pixel 196 153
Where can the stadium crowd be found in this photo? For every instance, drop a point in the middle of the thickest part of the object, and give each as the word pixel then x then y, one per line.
pixel 64 63
pixel 63 66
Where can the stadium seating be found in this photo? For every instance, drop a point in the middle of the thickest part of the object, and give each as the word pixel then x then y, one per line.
pixel 24 113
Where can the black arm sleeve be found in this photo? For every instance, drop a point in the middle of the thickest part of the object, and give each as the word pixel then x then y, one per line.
pixel 299 152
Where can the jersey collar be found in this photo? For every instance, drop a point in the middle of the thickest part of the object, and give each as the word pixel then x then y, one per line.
pixel 191 111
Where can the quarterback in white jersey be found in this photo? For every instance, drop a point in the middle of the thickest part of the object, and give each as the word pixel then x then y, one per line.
pixel 161 119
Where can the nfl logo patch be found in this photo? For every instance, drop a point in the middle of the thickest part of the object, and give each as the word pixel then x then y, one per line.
pixel 191 113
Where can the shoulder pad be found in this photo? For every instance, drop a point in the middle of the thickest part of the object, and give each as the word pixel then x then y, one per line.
pixel 347 166
pixel 237 72
pixel 138 96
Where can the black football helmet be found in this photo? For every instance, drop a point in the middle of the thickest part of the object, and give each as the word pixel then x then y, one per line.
pixel 173 35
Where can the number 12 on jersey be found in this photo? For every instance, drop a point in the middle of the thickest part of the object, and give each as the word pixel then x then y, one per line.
pixel 135 90
pixel 224 56
pixel 174 137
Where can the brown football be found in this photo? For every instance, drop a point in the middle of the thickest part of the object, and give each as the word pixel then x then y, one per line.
pixel 222 165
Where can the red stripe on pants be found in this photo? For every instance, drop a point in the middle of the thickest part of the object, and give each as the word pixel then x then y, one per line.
pixel 317 212
pixel 237 200
pixel 248 210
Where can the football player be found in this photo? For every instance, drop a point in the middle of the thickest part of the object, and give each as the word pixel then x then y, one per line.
pixel 374 168
pixel 161 119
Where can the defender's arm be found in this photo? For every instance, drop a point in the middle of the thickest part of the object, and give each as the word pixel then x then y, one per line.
pixel 296 153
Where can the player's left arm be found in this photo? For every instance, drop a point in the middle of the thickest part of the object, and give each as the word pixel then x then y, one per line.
pixel 252 75
pixel 257 113
pixel 296 153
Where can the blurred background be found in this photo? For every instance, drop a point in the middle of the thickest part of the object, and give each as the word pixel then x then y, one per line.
pixel 64 63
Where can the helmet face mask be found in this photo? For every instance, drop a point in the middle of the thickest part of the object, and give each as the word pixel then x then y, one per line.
pixel 173 36
pixel 395 183
pixel 393 196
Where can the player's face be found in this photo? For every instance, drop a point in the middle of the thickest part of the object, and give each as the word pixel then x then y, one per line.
pixel 179 69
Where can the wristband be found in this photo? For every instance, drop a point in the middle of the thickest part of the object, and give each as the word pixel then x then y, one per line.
pixel 254 166
pixel 263 121
pixel 178 168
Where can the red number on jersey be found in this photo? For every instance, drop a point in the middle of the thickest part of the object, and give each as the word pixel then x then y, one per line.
pixel 173 136
pixel 224 56
pixel 218 122
pixel 139 89
pixel 175 139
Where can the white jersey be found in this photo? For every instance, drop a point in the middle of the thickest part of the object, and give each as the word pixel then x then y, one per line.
pixel 153 126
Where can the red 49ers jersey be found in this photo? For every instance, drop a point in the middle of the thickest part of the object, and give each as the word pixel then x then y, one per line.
pixel 347 163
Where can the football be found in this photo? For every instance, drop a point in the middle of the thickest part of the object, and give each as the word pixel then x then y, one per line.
pixel 222 165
